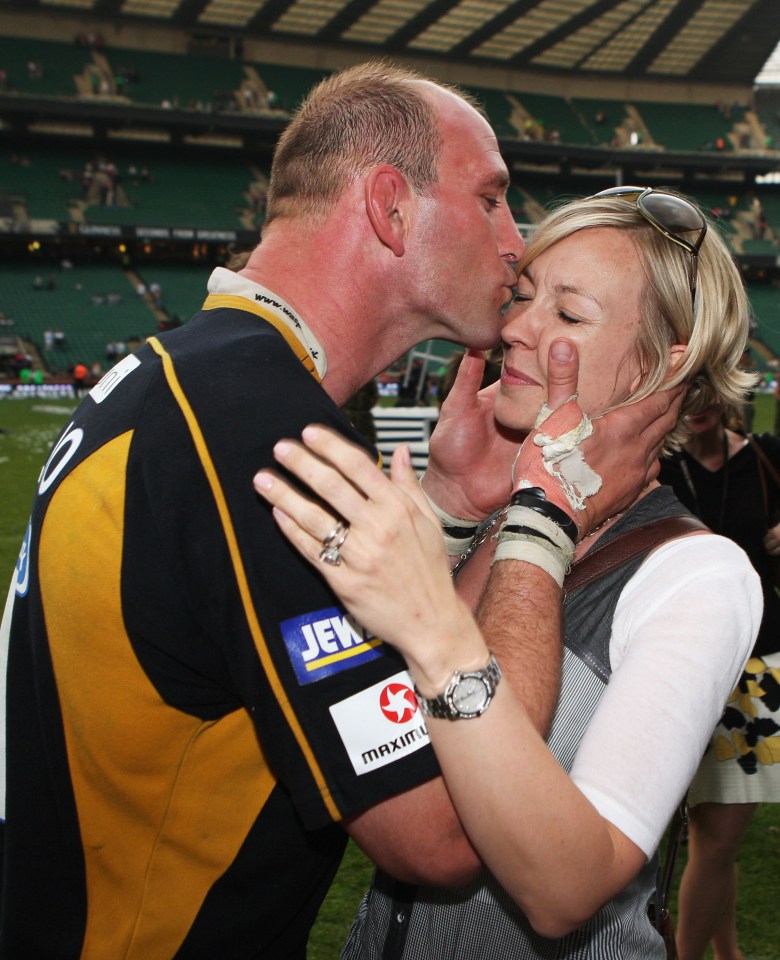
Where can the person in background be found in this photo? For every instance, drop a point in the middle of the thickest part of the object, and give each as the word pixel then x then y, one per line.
pixel 730 481
pixel 569 827
pixel 80 374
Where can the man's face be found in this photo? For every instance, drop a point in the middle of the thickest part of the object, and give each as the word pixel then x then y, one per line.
pixel 467 241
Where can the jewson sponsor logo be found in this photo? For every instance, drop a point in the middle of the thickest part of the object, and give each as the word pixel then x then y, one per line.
pixel 325 642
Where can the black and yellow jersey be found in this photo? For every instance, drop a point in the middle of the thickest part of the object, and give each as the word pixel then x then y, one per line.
pixel 189 710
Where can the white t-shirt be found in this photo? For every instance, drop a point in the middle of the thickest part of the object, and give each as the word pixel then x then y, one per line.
pixel 682 632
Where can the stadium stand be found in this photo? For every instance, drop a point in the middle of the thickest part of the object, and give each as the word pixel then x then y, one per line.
pixel 58 66
pixel 551 117
pixel 689 127
pixel 79 307
pixel 180 193
pixel 183 286
pixel 178 80
pixel 289 84
pixel 46 184
pixel 33 178
pixel 602 118
pixel 499 109
pixel 765 303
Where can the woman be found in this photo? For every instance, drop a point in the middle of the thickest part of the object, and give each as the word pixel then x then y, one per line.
pixel 568 828
pixel 727 479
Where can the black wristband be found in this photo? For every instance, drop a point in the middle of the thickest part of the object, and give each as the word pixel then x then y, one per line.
pixel 526 531
pixel 536 499
pixel 460 533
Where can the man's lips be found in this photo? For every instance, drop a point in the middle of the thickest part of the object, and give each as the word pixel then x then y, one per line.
pixel 512 377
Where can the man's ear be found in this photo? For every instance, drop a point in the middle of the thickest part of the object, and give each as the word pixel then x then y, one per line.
pixel 386 195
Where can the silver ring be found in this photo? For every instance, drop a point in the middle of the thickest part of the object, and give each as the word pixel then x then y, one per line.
pixel 331 544
pixel 336 537
pixel 331 555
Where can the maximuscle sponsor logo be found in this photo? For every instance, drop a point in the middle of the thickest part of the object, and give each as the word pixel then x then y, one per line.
pixel 380 724
pixel 325 642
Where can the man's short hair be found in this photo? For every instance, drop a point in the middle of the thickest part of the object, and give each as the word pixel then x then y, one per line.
pixel 358 118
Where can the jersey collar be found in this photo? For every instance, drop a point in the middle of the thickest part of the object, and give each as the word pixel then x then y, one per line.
pixel 224 282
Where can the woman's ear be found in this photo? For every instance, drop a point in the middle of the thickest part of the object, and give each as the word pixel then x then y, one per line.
pixel 676 355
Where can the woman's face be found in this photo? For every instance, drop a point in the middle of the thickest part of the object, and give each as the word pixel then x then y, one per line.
pixel 586 288
pixel 706 421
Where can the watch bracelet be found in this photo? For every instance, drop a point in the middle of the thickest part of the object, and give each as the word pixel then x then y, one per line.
pixel 440 706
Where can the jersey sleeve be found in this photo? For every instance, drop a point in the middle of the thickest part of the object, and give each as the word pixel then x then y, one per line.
pixel 682 632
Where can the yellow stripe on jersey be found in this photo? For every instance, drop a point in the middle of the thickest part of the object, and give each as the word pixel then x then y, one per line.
pixel 241 577
pixel 344 654
pixel 165 800
pixel 215 301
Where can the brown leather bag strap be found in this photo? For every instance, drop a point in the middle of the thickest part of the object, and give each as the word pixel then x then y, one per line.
pixel 764 459
pixel 626 546
pixel 764 464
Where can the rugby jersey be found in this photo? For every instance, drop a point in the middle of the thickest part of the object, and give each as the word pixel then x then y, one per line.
pixel 190 712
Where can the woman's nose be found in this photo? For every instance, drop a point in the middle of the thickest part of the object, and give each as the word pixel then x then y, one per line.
pixel 522 323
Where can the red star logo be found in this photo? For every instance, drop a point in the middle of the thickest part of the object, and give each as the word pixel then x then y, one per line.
pixel 398 702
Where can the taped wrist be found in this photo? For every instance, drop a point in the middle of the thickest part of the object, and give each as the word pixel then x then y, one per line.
pixel 458 533
pixel 535 498
pixel 534 537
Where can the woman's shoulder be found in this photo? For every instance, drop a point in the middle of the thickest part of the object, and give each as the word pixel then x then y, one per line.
pixel 680 564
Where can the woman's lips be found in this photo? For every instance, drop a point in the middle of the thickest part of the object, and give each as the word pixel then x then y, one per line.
pixel 513 378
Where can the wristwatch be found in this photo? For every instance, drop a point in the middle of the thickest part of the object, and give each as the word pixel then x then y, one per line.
pixel 468 694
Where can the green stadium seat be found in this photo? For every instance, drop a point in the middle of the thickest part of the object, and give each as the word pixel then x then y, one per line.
pixel 88 325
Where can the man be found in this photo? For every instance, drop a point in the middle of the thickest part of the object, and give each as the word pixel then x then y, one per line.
pixel 191 717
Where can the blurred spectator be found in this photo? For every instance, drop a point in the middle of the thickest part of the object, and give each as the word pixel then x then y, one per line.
pixel 80 373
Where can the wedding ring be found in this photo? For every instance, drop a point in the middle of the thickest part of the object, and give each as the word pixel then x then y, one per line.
pixel 332 542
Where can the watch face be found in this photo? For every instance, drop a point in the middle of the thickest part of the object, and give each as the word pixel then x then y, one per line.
pixel 470 695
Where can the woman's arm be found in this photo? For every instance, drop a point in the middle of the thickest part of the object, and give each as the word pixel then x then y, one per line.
pixel 542 835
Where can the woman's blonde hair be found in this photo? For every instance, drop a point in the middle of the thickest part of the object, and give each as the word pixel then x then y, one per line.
pixel 715 333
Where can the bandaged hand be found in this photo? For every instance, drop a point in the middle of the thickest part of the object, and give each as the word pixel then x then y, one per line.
pixel 552 451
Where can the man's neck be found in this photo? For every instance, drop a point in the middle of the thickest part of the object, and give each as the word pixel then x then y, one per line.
pixel 357 332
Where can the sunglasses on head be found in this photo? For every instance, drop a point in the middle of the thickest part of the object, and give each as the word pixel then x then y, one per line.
pixel 670 215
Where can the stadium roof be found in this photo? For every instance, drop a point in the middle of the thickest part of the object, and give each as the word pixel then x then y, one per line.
pixel 716 41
